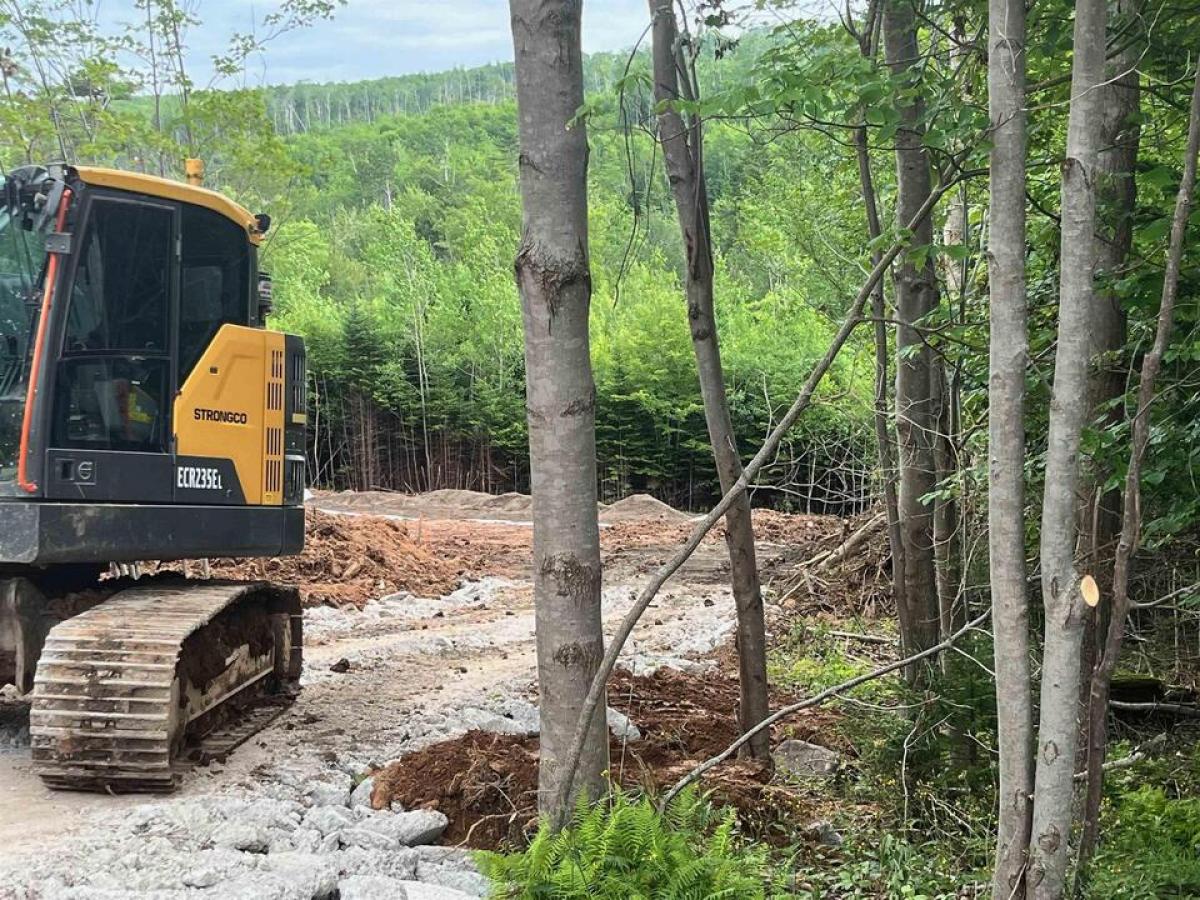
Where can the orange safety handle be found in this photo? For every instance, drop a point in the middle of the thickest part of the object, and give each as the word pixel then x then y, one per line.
pixel 39 342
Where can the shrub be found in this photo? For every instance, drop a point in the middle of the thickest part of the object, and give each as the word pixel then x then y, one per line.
pixel 1150 848
pixel 625 848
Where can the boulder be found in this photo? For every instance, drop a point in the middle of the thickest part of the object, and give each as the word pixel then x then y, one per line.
pixel 237 836
pixel 419 890
pixel 361 795
pixel 421 826
pixel 329 819
pixel 622 727
pixel 800 759
pixel 334 791
pixel 371 887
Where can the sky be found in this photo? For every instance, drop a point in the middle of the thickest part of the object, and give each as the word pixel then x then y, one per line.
pixel 375 38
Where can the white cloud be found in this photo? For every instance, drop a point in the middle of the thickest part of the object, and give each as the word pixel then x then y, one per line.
pixel 375 38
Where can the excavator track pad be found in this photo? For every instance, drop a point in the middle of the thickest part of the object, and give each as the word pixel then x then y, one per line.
pixel 161 676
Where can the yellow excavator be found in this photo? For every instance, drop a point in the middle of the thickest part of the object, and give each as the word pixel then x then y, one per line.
pixel 146 413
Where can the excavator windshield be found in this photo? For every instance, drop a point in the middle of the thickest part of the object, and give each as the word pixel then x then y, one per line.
pixel 22 261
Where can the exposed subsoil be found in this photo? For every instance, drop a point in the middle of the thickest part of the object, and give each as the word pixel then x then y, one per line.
pixel 348 560
pixel 486 783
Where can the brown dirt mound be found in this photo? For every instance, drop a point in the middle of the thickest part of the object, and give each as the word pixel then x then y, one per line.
pixel 511 502
pixel 486 784
pixel 348 560
pixel 641 506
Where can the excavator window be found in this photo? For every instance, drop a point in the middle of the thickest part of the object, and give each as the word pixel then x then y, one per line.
pixel 22 256
pixel 112 384
pixel 121 296
pixel 215 283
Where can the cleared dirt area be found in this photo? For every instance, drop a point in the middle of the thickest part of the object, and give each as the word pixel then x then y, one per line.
pixel 418 630
pixel 486 783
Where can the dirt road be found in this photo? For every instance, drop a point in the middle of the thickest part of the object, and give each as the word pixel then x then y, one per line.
pixel 416 670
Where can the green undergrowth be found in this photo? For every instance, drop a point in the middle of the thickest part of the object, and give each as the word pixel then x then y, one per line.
pixel 909 814
pixel 626 849
pixel 1150 825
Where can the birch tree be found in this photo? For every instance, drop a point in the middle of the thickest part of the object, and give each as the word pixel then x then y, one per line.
pixel 1008 358
pixel 683 156
pixel 554 281
pixel 1058 728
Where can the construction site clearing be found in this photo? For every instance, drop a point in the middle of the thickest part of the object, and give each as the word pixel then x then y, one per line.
pixel 417 722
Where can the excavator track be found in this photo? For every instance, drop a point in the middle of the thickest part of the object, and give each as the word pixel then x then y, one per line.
pixel 157 674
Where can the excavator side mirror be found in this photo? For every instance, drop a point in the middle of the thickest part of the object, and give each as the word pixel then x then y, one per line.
pixel 262 223
pixel 265 299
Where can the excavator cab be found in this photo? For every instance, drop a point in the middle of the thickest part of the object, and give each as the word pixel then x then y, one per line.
pixel 146 413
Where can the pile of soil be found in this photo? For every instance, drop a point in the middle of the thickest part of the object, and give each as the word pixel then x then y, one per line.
pixel 641 507
pixel 486 784
pixel 802 535
pixel 349 560
pixel 447 503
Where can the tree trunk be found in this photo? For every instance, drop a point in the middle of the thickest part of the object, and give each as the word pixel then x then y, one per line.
pixel 683 156
pixel 1008 361
pixel 554 280
pixel 1058 729
pixel 916 296
pixel 883 432
pixel 1132 513
pixel 1116 188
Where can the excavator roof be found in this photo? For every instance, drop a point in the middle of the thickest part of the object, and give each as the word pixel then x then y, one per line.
pixel 154 186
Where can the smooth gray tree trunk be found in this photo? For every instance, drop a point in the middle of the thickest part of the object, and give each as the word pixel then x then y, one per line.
pixel 1132 514
pixel 1116 201
pixel 916 296
pixel 555 285
pixel 1007 363
pixel 1058 728
pixel 683 155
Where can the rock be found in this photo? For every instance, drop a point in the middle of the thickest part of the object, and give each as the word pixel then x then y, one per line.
pixel 315 876
pixel 368 838
pixel 525 715
pixel 418 890
pixel 801 759
pixel 823 832
pixel 474 719
pixel 329 819
pixel 334 791
pixel 469 882
pixel 622 727
pixel 342 665
pixel 451 867
pixel 371 887
pixel 399 863
pixel 421 826
pixel 202 877
pixel 247 838
pixel 361 795
pixel 307 839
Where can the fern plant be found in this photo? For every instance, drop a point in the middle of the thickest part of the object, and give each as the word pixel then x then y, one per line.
pixel 625 849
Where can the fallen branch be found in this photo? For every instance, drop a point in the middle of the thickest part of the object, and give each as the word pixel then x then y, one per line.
pixel 561 805
pixel 1180 709
pixel 1138 754
pixel 817 700
pixel 866 638
pixel 827 558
